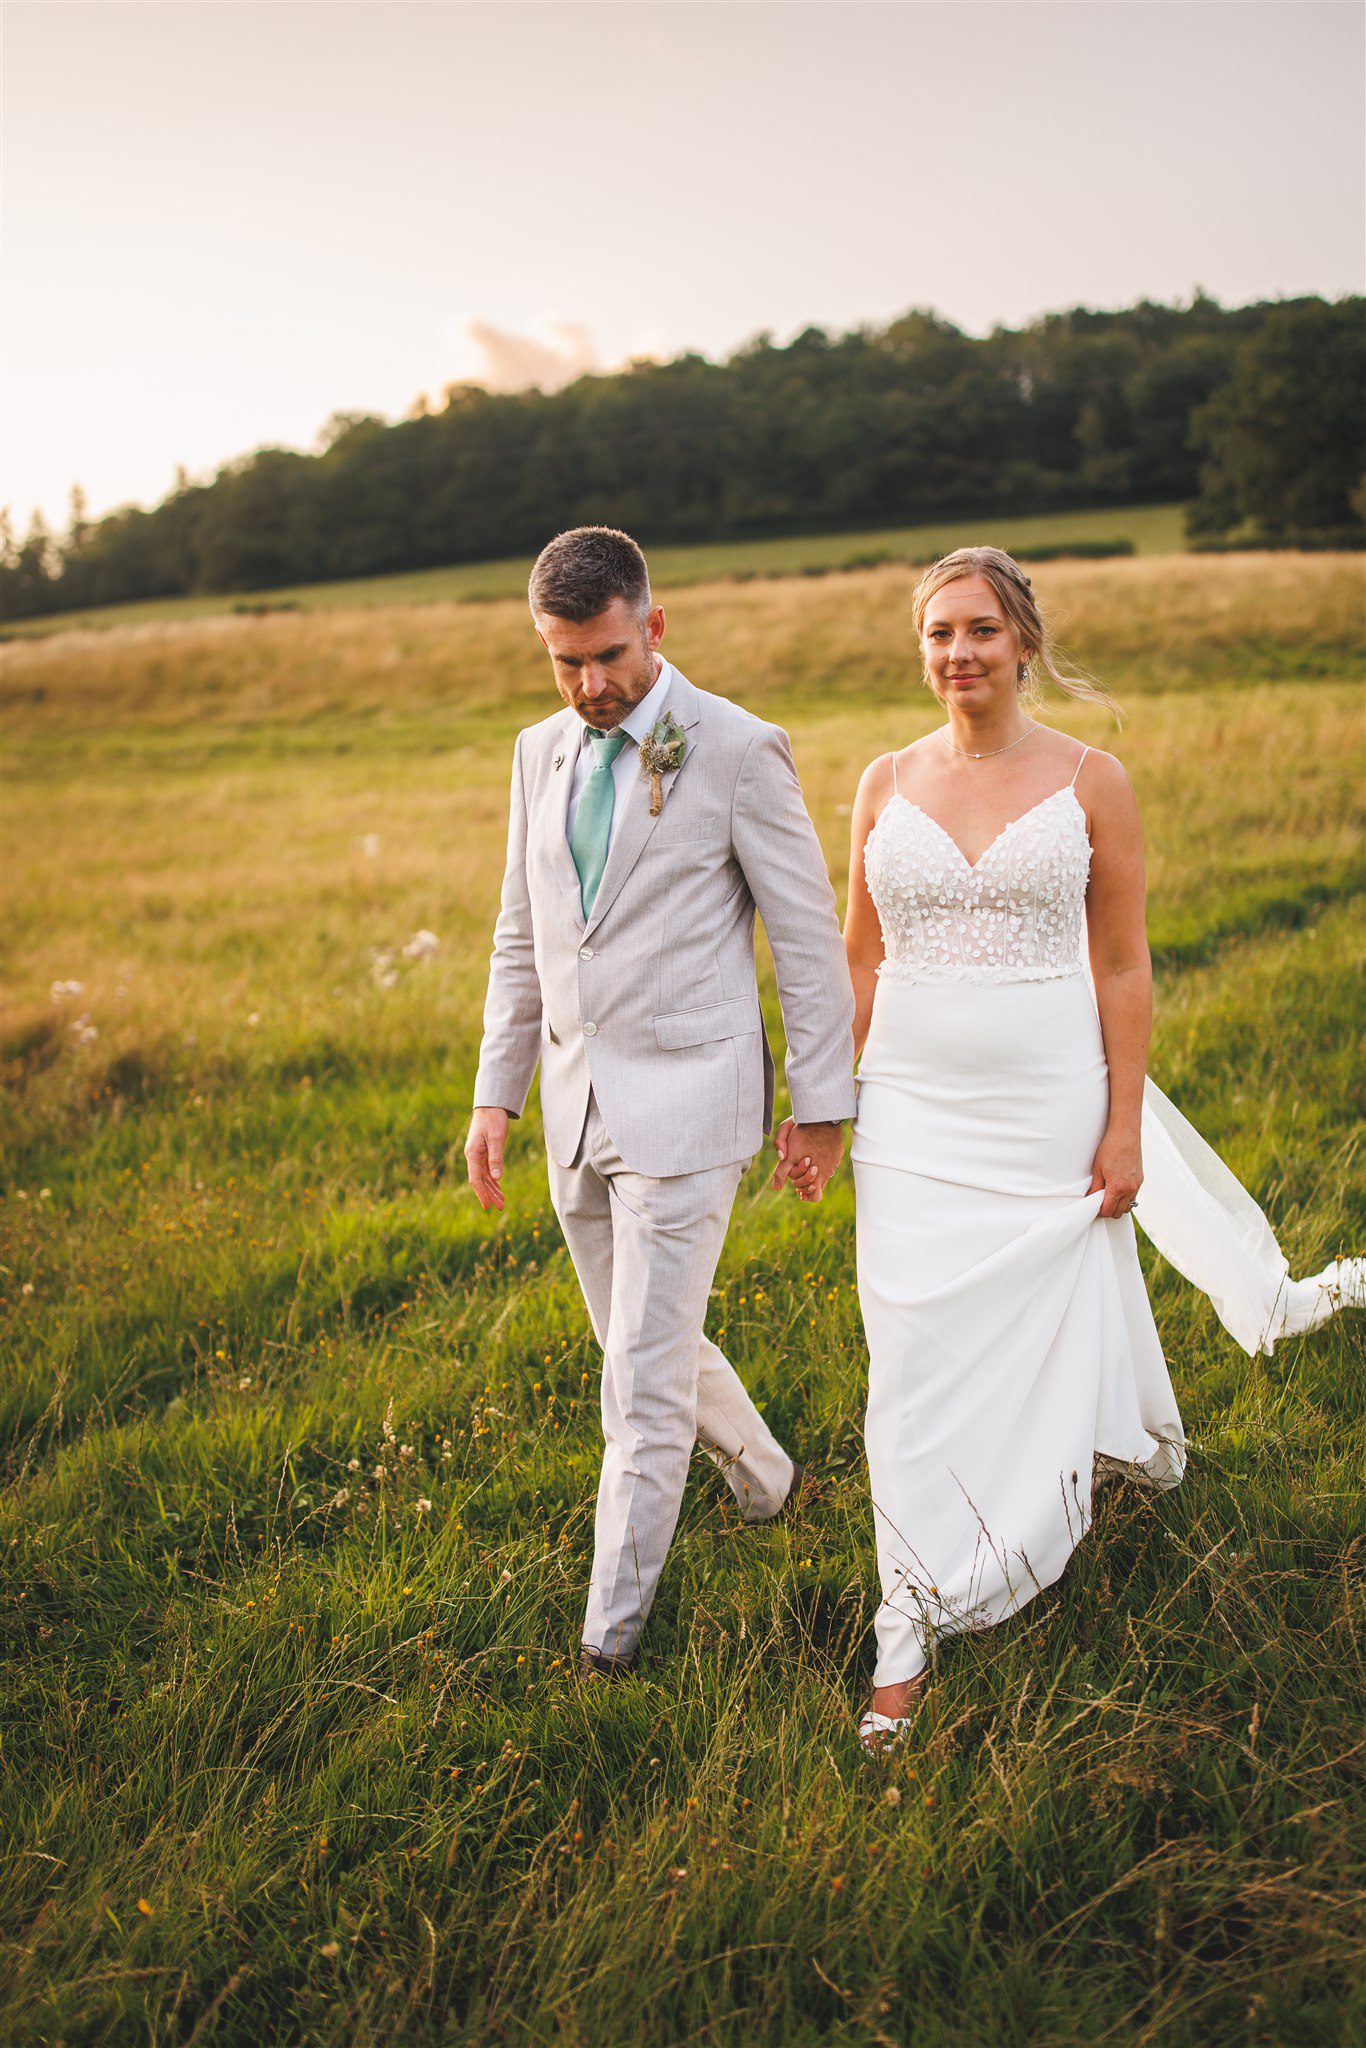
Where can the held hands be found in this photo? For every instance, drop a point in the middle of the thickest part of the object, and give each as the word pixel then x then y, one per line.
pixel 807 1156
pixel 484 1155
pixel 1118 1169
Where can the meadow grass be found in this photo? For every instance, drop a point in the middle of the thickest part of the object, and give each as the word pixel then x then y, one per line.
pixel 290 1756
pixel 1149 529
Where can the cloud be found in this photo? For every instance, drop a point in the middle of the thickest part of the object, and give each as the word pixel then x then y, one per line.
pixel 545 361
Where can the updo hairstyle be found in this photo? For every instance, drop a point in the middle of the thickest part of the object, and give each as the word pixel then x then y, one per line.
pixel 1015 594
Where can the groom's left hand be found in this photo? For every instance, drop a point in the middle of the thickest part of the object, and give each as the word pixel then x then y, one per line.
pixel 808 1155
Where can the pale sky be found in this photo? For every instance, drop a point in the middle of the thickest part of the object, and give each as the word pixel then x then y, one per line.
pixel 224 221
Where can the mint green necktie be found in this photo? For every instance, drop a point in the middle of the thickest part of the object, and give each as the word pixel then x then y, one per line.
pixel 593 818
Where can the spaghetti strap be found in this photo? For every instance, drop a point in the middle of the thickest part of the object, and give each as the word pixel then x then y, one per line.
pixel 892 758
pixel 1077 770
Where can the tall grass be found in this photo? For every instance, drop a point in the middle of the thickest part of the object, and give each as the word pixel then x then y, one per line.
pixel 290 1756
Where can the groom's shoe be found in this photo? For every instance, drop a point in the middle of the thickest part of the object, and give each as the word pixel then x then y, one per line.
pixel 799 1494
pixel 594 1668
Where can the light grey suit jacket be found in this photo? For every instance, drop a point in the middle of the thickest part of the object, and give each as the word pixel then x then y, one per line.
pixel 653 1001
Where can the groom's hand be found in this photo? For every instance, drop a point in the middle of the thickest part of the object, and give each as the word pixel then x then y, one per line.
pixel 484 1155
pixel 807 1156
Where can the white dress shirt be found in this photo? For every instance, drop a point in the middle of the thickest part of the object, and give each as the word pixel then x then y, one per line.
pixel 627 764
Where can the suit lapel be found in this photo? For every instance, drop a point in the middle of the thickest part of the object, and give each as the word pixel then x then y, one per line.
pixel 557 810
pixel 634 827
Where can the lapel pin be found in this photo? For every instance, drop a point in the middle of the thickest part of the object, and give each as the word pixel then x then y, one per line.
pixel 559 760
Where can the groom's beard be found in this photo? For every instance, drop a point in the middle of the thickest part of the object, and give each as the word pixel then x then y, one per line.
pixel 606 712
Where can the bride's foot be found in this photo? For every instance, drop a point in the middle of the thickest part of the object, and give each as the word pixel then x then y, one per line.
pixel 889 1719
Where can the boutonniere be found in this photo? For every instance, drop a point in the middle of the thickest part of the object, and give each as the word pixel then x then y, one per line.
pixel 661 751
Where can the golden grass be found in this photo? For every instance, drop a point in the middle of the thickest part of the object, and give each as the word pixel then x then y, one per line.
pixel 1142 624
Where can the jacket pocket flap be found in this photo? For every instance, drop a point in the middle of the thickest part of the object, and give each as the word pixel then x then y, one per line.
pixel 734 1019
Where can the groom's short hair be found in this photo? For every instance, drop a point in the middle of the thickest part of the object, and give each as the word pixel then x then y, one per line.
pixel 579 573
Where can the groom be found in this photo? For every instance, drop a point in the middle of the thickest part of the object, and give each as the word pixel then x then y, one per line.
pixel 649 820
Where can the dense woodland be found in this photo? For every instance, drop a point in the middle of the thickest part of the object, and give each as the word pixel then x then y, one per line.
pixel 1255 416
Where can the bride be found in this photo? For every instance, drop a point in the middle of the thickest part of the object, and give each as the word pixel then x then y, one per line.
pixel 1003 1133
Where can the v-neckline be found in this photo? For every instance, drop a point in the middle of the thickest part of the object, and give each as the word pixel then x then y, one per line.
pixel 1009 826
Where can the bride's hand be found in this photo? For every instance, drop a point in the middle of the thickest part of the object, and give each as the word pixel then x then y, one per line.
pixel 1118 1169
pixel 806 1174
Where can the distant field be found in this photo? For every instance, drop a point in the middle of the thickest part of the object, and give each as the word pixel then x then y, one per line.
pixel 1153 529
pixel 291 1750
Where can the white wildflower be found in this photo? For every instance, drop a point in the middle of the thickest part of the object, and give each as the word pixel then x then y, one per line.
pixel 44 1194
pixel 353 1464
pixel 405 1450
pixel 85 1032
pixel 368 842
pixel 503 1578
pixel 253 1016
pixel 66 991
pixel 341 1496
pixel 27 1287
pixel 244 1383
pixel 421 946
pixel 424 1507
pixel 390 1434
pixel 380 1475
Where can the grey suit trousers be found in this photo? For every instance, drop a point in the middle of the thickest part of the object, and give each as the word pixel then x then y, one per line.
pixel 645 1251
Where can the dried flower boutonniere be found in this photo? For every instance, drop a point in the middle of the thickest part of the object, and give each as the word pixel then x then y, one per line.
pixel 661 751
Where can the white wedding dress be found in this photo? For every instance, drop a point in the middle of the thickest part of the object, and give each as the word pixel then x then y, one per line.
pixel 1010 1341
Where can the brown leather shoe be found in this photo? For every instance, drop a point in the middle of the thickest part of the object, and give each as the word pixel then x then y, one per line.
pixel 594 1668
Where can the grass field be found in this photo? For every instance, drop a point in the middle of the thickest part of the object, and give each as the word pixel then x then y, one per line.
pixel 291 1756
pixel 1152 529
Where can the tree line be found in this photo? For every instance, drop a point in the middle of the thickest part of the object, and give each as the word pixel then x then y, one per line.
pixel 1254 416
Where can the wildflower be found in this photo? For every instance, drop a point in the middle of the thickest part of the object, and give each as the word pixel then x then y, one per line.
pixel 380 1475
pixel 424 1507
pixel 368 842
pixel 253 1016
pixel 145 1908
pixel 421 946
pixel 390 1435
pixel 244 1383
pixel 44 1194
pixel 405 1450
pixel 353 1464
pixel 892 1795
pixel 341 1496
pixel 504 1577
pixel 27 1287
pixel 85 1032
pixel 330 1949
pixel 66 991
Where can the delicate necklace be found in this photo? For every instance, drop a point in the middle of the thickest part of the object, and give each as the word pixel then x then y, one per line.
pixel 991 752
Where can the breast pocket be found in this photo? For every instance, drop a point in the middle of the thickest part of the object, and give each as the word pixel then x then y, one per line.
pixel 736 1018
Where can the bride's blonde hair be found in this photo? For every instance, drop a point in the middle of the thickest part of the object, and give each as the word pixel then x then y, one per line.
pixel 1016 594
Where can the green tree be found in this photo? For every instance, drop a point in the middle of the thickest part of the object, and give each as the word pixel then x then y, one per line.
pixel 1284 439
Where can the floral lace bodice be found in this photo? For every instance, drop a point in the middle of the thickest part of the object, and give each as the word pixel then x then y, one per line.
pixel 1017 915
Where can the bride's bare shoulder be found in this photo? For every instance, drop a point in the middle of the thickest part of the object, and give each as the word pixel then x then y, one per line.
pixel 1098 772
pixel 882 774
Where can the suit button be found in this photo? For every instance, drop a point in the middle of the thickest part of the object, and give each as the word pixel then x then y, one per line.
pixel 590 1030
pixel 585 952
